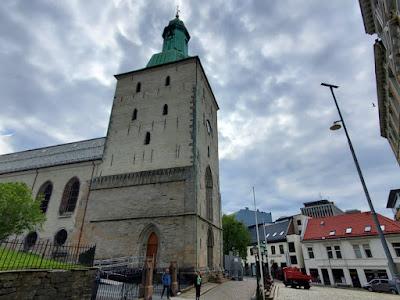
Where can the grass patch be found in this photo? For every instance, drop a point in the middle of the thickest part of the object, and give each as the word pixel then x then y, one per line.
pixel 17 260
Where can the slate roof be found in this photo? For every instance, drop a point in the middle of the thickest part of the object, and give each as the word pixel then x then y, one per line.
pixel 320 228
pixel 52 156
pixel 275 232
pixel 247 217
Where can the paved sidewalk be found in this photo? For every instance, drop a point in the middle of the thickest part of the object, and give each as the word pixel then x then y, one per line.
pixel 229 290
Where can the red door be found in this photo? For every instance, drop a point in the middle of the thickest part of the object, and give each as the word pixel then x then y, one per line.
pixel 152 245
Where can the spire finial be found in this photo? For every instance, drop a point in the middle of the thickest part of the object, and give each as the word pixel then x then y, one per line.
pixel 177 11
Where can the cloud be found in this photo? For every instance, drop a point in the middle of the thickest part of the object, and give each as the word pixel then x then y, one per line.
pixel 265 61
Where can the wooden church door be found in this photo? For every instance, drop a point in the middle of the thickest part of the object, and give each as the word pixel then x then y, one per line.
pixel 152 246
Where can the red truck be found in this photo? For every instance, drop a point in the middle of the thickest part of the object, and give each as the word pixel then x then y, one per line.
pixel 292 276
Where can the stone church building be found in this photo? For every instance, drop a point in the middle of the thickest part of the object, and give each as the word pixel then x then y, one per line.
pixel 150 187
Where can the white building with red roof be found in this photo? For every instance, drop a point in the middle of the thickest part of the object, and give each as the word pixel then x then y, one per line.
pixel 346 250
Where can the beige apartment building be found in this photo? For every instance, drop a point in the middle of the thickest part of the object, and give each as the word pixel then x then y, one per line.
pixel 381 17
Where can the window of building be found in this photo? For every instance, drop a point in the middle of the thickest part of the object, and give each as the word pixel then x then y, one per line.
pixel 338 276
pixel 134 114
pixel 44 195
pixel 349 230
pixel 209 193
pixel 367 228
pixel 208 151
pixel 61 237
pixel 338 252
pixel 367 250
pixel 167 81
pixel 357 251
pixel 332 232
pixel 267 235
pixel 298 222
pixel 329 251
pixel 283 265
pixel 383 227
pixel 281 250
pixel 138 87
pixel 165 110
pixel 275 233
pixel 147 138
pixel 292 247
pixel 208 125
pixel 310 252
pixel 70 196
pixel 293 259
pixel 273 250
pixel 282 232
pixel 396 247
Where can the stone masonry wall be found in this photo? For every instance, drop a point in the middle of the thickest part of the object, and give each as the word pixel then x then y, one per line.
pixel 47 284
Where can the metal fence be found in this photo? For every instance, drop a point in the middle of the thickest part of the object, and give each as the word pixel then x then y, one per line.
pixel 17 255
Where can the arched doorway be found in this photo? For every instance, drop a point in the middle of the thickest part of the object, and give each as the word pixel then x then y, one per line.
pixel 210 248
pixel 152 246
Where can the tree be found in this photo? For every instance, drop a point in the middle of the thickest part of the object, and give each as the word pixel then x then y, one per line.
pixel 236 236
pixel 18 210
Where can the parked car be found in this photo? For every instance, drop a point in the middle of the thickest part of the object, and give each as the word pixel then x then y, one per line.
pixel 381 285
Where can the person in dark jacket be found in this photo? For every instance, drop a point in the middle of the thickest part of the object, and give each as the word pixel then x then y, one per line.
pixel 197 284
pixel 166 281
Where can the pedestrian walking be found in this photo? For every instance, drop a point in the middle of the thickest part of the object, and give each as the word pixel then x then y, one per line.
pixel 197 284
pixel 166 281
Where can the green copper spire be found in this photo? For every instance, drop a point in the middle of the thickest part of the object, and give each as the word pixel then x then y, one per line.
pixel 175 46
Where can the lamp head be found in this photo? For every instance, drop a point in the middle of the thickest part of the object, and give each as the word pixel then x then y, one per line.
pixel 336 125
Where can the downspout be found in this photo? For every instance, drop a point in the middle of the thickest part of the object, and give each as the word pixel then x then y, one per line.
pixel 86 204
pixel 195 164
pixel 34 180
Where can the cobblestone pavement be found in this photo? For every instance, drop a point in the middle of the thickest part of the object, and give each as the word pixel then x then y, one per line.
pixel 328 293
pixel 230 290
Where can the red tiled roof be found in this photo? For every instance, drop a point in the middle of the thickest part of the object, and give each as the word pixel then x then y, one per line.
pixel 319 228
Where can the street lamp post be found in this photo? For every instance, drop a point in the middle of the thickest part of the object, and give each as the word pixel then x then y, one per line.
pixel 336 126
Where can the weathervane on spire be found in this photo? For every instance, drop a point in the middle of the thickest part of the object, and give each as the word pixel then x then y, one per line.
pixel 177 11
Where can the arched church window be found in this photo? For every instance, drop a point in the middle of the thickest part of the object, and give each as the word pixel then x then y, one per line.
pixel 209 193
pixel 70 196
pixel 61 237
pixel 134 114
pixel 167 81
pixel 147 138
pixel 138 87
pixel 210 248
pixel 44 195
pixel 165 110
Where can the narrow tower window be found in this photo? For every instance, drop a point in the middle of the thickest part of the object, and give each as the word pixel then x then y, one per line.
pixel 134 114
pixel 208 125
pixel 138 87
pixel 165 110
pixel 167 81
pixel 147 138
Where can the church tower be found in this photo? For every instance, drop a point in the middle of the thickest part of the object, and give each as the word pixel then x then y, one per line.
pixel 157 190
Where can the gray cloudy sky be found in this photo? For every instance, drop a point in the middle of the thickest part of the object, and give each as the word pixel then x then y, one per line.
pixel 265 61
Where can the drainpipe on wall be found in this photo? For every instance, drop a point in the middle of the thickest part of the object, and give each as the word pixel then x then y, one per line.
pixel 86 204
pixel 34 180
